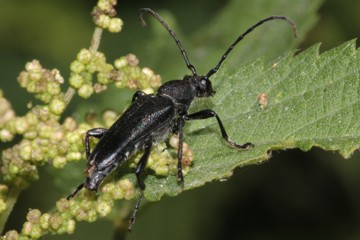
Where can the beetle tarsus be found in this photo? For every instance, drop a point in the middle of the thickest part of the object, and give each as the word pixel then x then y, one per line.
pixel 136 208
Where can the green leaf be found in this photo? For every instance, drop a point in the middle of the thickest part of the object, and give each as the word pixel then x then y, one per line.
pixel 313 101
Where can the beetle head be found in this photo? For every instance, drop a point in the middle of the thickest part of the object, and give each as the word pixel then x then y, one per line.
pixel 202 84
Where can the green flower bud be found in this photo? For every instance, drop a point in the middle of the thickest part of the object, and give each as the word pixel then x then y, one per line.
pixel 57 106
pixel 103 78
pixel 23 79
pixel 21 125
pixel 62 205
pixel 35 75
pixel 133 61
pixel 59 162
pixel 81 215
pixel 104 5
pixel 30 135
pixel 74 156
pixel 73 137
pixel 57 76
pixel 85 91
pixel 13 169
pixel 33 65
pixel 84 56
pixel 53 88
pixel 27 227
pixel 115 25
pixel 103 207
pixel 92 216
pixel 6 135
pixel 69 124
pixel 70 226
pixel 44 220
pixel 31 118
pixel 77 67
pixel 104 21
pixel 45 131
pixel 55 221
pixel 33 216
pixel 36 232
pixel 117 194
pixel 121 62
pixel 76 80
pixel 128 188
pixel 25 152
pixel 11 235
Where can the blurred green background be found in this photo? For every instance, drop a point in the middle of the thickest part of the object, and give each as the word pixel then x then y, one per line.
pixel 295 195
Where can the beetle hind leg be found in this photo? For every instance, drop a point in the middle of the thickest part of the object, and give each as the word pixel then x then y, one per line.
pixel 204 114
pixel 139 169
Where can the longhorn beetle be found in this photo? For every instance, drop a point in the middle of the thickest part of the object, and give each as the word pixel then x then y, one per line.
pixel 151 116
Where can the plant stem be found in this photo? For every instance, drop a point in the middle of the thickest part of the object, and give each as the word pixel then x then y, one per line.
pixel 94 46
pixel 95 41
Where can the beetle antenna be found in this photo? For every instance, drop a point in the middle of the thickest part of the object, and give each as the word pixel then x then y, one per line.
pixel 241 37
pixel 172 33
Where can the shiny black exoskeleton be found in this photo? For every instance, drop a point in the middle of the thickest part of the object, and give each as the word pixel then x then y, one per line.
pixel 150 117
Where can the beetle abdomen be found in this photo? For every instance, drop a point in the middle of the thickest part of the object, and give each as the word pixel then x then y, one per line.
pixel 147 120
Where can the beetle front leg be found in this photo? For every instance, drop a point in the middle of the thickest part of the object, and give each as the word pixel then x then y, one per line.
pixel 210 113
pixel 95 132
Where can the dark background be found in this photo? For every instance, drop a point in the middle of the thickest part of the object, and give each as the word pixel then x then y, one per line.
pixel 295 195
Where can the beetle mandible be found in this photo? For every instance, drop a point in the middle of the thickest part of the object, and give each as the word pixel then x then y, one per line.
pixel 151 116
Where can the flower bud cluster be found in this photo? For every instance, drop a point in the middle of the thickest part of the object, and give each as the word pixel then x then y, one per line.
pixel 44 140
pixel 124 73
pixel 85 207
pixel 45 84
pixel 103 15
pixel 7 114
pixel 129 74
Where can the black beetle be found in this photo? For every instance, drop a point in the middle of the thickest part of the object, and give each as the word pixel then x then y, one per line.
pixel 151 116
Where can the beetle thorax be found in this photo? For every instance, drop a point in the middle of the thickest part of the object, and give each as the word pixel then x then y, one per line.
pixel 180 92
pixel 183 92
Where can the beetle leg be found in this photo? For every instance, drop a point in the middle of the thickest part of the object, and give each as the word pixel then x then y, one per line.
pixel 141 165
pixel 136 208
pixel 75 192
pixel 139 169
pixel 137 95
pixel 210 113
pixel 180 175
pixel 95 132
